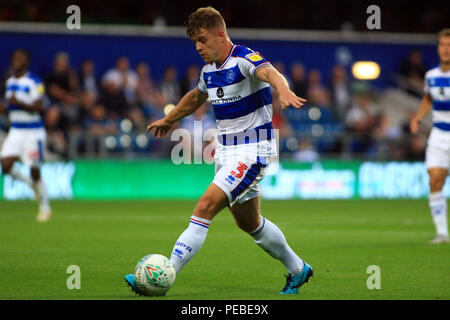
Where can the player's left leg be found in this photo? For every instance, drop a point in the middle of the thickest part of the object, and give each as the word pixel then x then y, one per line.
pixel 40 191
pixel 33 155
pixel 272 240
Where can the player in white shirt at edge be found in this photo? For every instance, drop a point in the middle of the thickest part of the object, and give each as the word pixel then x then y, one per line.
pixel 437 158
pixel 237 81
pixel 24 102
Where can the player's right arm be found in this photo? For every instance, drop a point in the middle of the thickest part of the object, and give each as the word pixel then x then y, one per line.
pixel 425 107
pixel 190 102
pixel 37 106
pixel 2 108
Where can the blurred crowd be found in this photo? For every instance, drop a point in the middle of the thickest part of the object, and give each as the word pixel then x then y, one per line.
pixel 428 16
pixel 342 117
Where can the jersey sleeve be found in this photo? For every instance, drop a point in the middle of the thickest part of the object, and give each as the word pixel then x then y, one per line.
pixel 37 91
pixel 201 83
pixel 250 62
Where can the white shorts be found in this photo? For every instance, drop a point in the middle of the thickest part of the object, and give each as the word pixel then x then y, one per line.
pixel 239 180
pixel 438 149
pixel 26 144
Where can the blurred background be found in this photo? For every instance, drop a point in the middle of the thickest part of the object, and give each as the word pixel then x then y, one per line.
pixel 131 62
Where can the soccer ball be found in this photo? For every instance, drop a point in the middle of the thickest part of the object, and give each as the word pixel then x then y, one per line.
pixel 154 275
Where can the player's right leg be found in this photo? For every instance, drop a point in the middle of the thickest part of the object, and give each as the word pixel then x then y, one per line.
pixel 438 204
pixel 437 160
pixel 192 239
pixel 10 153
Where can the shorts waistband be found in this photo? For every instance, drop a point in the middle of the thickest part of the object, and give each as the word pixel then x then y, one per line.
pixel 257 134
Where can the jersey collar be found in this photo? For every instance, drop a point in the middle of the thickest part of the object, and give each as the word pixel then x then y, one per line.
pixel 228 57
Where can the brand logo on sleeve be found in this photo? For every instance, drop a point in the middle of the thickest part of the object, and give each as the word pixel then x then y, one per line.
pixel 253 57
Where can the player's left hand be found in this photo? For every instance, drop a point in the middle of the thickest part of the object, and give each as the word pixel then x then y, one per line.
pixel 13 100
pixel 161 127
pixel 288 98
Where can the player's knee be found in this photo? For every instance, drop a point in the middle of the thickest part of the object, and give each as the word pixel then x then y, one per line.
pixel 205 208
pixel 35 174
pixel 436 183
pixel 6 166
pixel 247 226
pixel 243 227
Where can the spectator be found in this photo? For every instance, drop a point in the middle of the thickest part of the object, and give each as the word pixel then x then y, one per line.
pixel 149 97
pixel 170 87
pixel 361 116
pixel 55 125
pixel 113 99
pixel 190 81
pixel 62 82
pixel 340 91
pixel 318 95
pixel 88 80
pixel 98 124
pixel 360 121
pixel 412 72
pixel 298 79
pixel 306 152
pixel 282 69
pixel 385 129
pixel 70 110
pixel 87 102
pixel 124 78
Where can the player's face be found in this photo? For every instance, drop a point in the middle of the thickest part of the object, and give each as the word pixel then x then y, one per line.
pixel 444 49
pixel 207 44
pixel 19 61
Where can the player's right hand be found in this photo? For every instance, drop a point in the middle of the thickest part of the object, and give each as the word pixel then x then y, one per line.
pixel 414 125
pixel 161 126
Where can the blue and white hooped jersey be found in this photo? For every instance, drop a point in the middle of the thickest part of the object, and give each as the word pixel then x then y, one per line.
pixel 27 89
pixel 437 85
pixel 240 100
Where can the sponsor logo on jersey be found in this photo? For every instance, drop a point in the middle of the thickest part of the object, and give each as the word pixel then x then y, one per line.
pixel 226 100
pixel 253 57
pixel 220 92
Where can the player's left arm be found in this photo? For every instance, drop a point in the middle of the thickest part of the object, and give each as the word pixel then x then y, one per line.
pixel 37 106
pixel 37 92
pixel 269 74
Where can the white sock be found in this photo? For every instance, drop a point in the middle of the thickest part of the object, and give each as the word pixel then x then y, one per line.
pixel 189 242
pixel 269 237
pixel 43 198
pixel 438 207
pixel 16 174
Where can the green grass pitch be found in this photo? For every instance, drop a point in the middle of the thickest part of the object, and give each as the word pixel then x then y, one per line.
pixel 339 239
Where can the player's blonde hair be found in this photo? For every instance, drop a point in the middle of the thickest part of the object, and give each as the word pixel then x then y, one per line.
pixel 206 18
pixel 443 33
